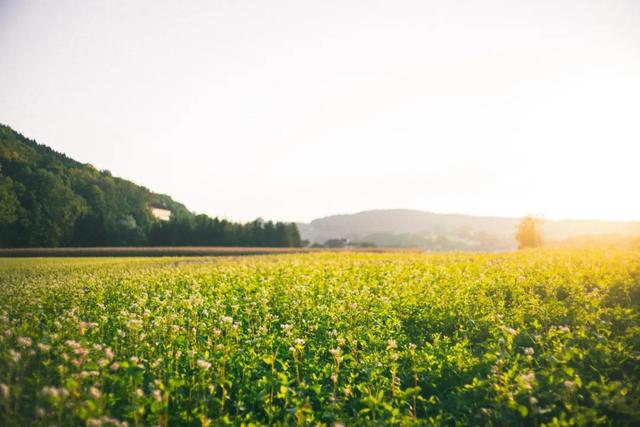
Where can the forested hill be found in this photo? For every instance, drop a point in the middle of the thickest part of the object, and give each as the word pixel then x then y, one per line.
pixel 48 199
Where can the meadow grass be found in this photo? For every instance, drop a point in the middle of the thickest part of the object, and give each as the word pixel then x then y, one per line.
pixel 540 337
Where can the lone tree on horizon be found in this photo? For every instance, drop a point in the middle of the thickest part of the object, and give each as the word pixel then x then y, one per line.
pixel 528 233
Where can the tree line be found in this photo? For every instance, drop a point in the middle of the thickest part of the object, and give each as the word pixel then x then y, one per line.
pixel 50 200
pixel 202 230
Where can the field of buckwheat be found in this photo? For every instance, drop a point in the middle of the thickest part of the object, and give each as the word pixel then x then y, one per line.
pixel 542 337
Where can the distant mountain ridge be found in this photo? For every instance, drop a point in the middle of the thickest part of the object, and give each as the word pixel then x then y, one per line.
pixel 436 231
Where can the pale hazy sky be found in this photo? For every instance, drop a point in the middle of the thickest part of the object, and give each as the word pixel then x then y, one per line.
pixel 298 109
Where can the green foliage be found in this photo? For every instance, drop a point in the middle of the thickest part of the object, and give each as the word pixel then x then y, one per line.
pixel 533 338
pixel 9 204
pixel 50 210
pixel 47 199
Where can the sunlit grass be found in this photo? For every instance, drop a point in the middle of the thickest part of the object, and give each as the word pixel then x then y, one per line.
pixel 526 338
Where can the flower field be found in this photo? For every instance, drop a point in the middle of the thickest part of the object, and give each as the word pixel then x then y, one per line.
pixel 542 337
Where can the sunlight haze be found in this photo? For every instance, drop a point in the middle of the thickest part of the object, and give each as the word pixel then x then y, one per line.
pixel 296 110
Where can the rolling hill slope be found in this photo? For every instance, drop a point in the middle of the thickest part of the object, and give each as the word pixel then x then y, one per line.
pixel 408 228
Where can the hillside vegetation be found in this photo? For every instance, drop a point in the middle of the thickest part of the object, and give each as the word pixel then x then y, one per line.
pixel 537 337
pixel 48 199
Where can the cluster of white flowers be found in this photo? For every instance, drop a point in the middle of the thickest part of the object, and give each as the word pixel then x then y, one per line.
pixel 286 328
pixel 527 380
pixel 4 391
pixel 509 330
pixel 78 350
pixel 336 353
pixel 106 421
pixel 81 352
pixel 15 356
pixel 84 326
pixel 54 392
pixel 203 364
pixel 108 353
pixel 88 374
pixel 95 393
pixel 24 342
pixel 135 324
pixel 73 345
pixel 528 351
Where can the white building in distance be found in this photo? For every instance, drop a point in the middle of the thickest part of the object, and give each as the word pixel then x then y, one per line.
pixel 161 214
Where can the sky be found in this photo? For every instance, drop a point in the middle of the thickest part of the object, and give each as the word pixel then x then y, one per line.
pixel 293 110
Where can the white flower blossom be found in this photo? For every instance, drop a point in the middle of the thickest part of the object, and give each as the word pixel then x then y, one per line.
pixel 203 364
pixel 95 393
pixel 24 342
pixel 15 356
pixel 4 391
pixel 527 380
